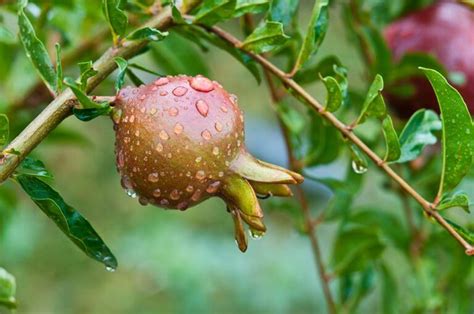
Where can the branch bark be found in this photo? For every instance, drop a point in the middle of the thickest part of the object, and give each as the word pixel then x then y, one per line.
pixel 346 131
pixel 60 108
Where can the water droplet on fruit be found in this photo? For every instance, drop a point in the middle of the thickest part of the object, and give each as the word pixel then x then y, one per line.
pixel 143 201
pixel 218 126
pixel 164 135
pixel 224 109
pixel 142 97
pixel 164 202
pixel 202 107
pixel 201 84
pixel 163 93
pixel 215 150
pixel 255 234
pixel 189 188
pixel 212 188
pixel 182 206
pixel 196 195
pixel 157 193
pixel 220 174
pixel 178 128
pixel 137 133
pixel 131 193
pixel 159 147
pixel 180 91
pixel 153 177
pixel 200 174
pixel 359 167
pixel 110 269
pixel 162 81
pixel 116 115
pixel 174 195
pixel 233 99
pixel 198 159
pixel 132 118
pixel 206 135
pixel 173 111
pixel 153 111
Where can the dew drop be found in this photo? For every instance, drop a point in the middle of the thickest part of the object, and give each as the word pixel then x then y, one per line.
pixel 206 135
pixel 220 174
pixel 137 133
pixel 131 193
pixel 159 147
pixel 164 135
pixel 142 97
pixel 178 128
pixel 110 269
pixel 198 159
pixel 212 188
pixel 153 177
pixel 164 202
pixel 182 206
pixel 233 99
pixel 359 167
pixel 224 109
pixel 143 201
pixel 154 88
pixel 189 188
pixel 153 111
pixel 202 107
pixel 132 118
pixel 215 150
pixel 180 91
pixel 255 234
pixel 173 111
pixel 163 93
pixel 196 195
pixel 174 195
pixel 162 81
pixel 200 174
pixel 201 84
pixel 116 115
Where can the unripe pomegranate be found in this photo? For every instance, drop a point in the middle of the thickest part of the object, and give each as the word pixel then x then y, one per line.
pixel 180 140
pixel 444 30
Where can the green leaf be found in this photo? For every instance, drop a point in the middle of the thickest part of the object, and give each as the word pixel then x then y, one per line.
pixel 59 68
pixel 317 28
pixel 292 119
pixel 410 63
pixel 4 129
pixel 69 220
pixel 457 199
pixel 251 7
pixel 7 289
pixel 283 11
pixel 390 303
pixel 176 14
pixel 116 17
pixel 85 101
pixel 334 94
pixel 392 144
pixel 122 67
pixel 214 11
pixel 458 132
pixel 324 142
pixel 374 105
pixel 33 167
pixel 359 161
pixel 134 78
pixel 6 36
pixel 266 37
pixel 36 51
pixel 323 68
pixel 379 50
pixel 87 71
pixel 91 113
pixel 466 234
pixel 417 133
pixel 148 33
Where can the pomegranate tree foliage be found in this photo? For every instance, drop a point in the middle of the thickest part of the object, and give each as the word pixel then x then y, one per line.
pixel 433 153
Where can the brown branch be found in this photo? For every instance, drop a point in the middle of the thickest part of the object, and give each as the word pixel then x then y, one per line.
pixel 427 206
pixel 60 107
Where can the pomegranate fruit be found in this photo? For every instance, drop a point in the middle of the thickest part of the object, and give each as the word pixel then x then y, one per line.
pixel 180 140
pixel 446 31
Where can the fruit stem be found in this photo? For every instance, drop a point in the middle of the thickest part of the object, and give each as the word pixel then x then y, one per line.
pixel 332 119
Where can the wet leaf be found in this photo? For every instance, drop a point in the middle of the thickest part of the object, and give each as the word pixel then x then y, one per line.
pixel 69 220
pixel 91 113
pixel 250 6
pixel 417 133
pixel 324 143
pixel 317 28
pixel 85 101
pixel 4 129
pixel 334 94
pixel 33 167
pixel 148 33
pixel 283 11
pixel 7 289
pixel 266 37
pixel 116 17
pixel 392 144
pixel 214 11
pixel 122 69
pixel 374 105
pixel 36 51
pixel 457 199
pixel 458 132
pixel 87 71
pixel 359 161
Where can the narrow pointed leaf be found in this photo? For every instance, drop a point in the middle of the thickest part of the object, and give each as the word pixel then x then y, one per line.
pixel 69 220
pixel 374 105
pixel 418 133
pixel 33 167
pixel 115 16
pixel 36 51
pixel 4 129
pixel 266 37
pixel 85 101
pixel 458 132
pixel 7 289
pixel 87 71
pixel 283 11
pixel 459 199
pixel 176 14
pixel 250 6
pixel 148 33
pixel 59 69
pixel 392 144
pixel 334 94
pixel 88 114
pixel 134 78
pixel 122 68
pixel 214 11
pixel 317 28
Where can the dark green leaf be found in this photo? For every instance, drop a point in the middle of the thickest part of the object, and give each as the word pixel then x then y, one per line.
pixel 334 94
pixel 417 133
pixel 33 167
pixel 69 220
pixel 85 101
pixel 324 142
pixel 91 113
pixel 359 161
pixel 148 33
pixel 283 11
pixel 116 17
pixel 214 11
pixel 457 199
pixel 176 14
pixel 251 7
pixel 4 129
pixel 458 132
pixel 374 105
pixel 7 289
pixel 317 28
pixel 292 119
pixel 323 68
pixel 122 68
pixel 87 71
pixel 59 68
pixel 466 234
pixel 266 37
pixel 36 51
pixel 392 145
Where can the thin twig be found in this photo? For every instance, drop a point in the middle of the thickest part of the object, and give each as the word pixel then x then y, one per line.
pixel 60 107
pixel 347 133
